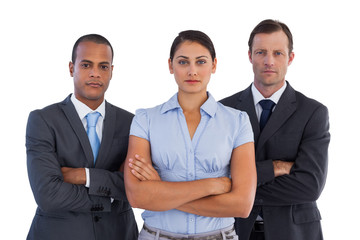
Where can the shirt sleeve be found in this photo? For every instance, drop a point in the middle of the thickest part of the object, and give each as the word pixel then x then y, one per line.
pixel 87 184
pixel 244 133
pixel 140 124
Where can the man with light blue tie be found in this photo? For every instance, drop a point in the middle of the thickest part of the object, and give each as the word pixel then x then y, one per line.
pixel 74 151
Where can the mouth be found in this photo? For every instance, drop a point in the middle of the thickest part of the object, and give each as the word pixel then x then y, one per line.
pixel 94 84
pixel 192 81
pixel 269 71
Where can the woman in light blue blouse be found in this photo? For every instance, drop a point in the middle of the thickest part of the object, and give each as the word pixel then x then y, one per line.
pixel 195 144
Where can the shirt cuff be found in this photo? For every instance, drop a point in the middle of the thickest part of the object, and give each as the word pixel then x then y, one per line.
pixel 87 173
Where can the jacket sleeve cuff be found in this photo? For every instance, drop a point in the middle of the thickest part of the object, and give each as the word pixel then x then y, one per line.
pixel 265 172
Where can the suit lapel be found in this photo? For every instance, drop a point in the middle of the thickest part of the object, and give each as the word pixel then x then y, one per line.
pixel 246 103
pixel 108 134
pixel 78 128
pixel 284 109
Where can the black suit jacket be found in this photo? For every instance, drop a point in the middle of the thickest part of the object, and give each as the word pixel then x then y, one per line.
pixel 55 138
pixel 298 131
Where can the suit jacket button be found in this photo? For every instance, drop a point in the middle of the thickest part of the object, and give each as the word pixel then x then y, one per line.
pixel 97 218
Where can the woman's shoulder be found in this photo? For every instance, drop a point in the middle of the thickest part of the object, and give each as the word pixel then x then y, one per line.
pixel 158 109
pixel 229 111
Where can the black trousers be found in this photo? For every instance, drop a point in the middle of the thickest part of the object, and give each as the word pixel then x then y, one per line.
pixel 257 233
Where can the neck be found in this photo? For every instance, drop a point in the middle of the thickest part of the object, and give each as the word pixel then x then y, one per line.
pixel 91 103
pixel 268 90
pixel 191 102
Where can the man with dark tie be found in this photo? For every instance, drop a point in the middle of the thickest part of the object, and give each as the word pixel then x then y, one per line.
pixel 291 133
pixel 74 151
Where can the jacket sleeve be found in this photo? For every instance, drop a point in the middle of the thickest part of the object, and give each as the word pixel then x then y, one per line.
pixel 308 175
pixel 44 170
pixel 105 183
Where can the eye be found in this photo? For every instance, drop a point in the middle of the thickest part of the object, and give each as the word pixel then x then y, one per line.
pixel 182 62
pixel 201 61
pixel 85 65
pixel 104 67
pixel 278 53
pixel 259 52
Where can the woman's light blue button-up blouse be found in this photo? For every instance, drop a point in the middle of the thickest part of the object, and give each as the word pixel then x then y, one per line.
pixel 177 157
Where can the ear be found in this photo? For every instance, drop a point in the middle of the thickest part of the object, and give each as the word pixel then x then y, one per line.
pixel 111 71
pixel 250 56
pixel 170 66
pixel 214 65
pixel 291 58
pixel 71 69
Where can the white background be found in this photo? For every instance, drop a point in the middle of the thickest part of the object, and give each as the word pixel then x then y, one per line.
pixel 36 42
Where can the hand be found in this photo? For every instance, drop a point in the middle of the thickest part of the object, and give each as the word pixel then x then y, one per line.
pixel 74 175
pixel 282 167
pixel 142 169
pixel 222 185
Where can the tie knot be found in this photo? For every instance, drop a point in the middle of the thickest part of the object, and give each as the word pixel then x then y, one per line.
pixel 267 104
pixel 92 118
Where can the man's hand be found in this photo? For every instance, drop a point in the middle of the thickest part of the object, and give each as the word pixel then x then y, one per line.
pixel 282 167
pixel 74 175
pixel 142 169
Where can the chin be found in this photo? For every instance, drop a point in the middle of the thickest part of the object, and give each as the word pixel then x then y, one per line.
pixel 94 97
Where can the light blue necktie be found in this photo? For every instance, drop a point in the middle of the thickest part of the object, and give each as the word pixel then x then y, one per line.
pixel 92 119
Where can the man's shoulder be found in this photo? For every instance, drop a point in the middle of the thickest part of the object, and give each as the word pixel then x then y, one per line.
pixel 50 109
pixel 120 111
pixel 232 99
pixel 52 115
pixel 307 102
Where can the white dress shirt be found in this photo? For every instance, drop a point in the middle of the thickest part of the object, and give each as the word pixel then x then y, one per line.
pixel 82 109
pixel 258 97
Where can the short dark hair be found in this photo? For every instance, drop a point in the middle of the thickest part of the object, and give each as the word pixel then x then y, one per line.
pixel 95 38
pixel 193 36
pixel 271 26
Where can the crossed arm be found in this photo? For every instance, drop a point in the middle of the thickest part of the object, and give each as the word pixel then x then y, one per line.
pixel 62 189
pixel 74 175
pixel 307 177
pixel 233 198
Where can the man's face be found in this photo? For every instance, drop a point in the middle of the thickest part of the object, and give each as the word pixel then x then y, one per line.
pixel 92 72
pixel 270 58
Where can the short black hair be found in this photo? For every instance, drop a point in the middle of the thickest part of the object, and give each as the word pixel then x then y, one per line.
pixel 193 36
pixel 271 26
pixel 95 38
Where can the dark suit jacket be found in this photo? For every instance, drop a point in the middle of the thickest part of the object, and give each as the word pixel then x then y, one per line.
pixel 298 131
pixel 55 137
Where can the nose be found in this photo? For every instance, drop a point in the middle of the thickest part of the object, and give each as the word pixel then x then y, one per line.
pixel 269 60
pixel 192 70
pixel 94 73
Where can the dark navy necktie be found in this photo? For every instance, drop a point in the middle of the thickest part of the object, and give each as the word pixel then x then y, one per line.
pixel 92 119
pixel 267 106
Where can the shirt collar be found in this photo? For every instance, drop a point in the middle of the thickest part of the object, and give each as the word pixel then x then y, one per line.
pixel 209 107
pixel 275 97
pixel 82 109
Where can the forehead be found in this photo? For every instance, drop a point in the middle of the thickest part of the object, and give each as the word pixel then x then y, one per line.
pixel 191 49
pixel 93 51
pixel 276 40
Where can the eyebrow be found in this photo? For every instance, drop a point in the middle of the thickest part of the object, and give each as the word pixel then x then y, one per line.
pixel 88 61
pixel 264 50
pixel 181 56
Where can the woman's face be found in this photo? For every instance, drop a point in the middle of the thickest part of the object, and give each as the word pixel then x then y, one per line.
pixel 192 67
